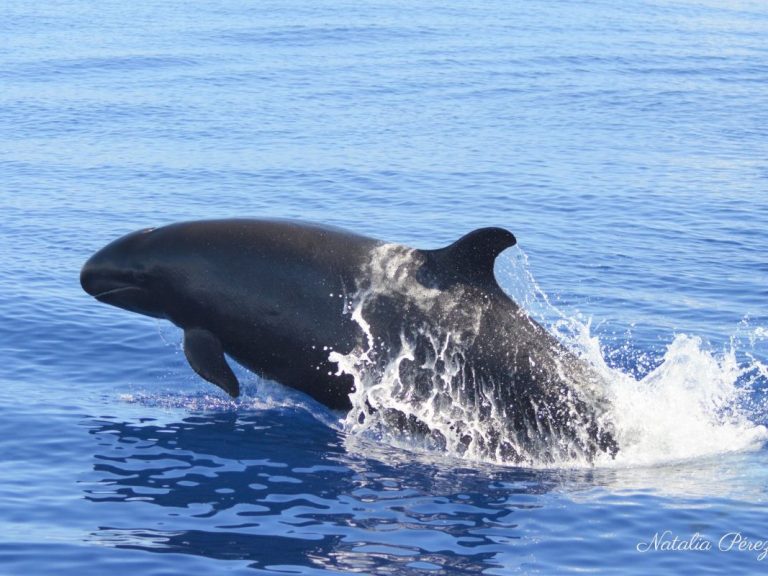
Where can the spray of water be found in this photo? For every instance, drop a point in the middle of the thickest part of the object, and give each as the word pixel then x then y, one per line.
pixel 693 403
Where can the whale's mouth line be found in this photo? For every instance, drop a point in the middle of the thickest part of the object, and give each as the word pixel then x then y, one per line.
pixel 113 291
pixel 132 298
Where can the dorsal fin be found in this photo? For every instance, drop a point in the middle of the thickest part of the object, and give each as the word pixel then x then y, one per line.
pixel 471 257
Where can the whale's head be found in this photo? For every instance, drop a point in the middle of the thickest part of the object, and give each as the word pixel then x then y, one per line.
pixel 125 274
pixel 191 273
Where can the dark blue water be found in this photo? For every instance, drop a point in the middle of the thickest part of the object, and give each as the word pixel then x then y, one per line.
pixel 624 144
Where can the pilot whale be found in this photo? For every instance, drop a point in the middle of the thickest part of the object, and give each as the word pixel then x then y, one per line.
pixel 293 302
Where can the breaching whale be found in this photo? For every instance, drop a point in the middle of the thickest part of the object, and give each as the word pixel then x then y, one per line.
pixel 293 302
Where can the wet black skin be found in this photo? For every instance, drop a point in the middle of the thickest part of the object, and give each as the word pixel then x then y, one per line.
pixel 272 295
pixel 262 288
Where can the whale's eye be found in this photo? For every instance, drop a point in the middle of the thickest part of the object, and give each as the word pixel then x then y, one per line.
pixel 140 277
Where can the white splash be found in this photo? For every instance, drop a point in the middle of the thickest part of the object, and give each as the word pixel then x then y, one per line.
pixel 694 403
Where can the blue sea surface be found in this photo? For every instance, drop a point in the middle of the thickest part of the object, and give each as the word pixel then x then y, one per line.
pixel 624 143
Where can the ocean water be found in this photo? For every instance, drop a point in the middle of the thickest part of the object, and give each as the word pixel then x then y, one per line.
pixel 624 144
